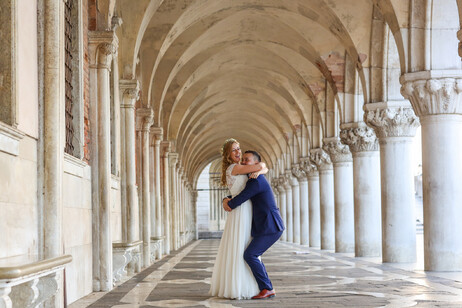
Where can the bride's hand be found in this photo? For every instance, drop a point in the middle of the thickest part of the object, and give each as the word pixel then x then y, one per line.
pixel 254 175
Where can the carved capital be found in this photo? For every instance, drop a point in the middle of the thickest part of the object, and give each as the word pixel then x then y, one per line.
pixel 101 46
pixel 172 159
pixel 321 159
pixel 145 118
pixel 360 139
pixel 129 90
pixel 298 172
pixel 390 121
pixel 282 183
pixel 309 167
pixel 337 151
pixel 157 135
pixel 433 92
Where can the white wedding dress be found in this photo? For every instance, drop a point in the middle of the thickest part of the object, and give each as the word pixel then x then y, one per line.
pixel 232 277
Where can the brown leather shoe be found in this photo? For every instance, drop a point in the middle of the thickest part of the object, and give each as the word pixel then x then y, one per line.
pixel 265 294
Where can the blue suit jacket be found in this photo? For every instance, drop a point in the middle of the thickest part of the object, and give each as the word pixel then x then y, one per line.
pixel 266 217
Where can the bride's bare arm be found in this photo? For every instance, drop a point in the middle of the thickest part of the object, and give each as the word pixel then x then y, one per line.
pixel 255 175
pixel 245 169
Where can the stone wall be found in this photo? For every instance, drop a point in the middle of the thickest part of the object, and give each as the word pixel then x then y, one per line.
pixel 18 201
pixel 77 227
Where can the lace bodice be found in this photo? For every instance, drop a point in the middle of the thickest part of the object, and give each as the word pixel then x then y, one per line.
pixel 235 183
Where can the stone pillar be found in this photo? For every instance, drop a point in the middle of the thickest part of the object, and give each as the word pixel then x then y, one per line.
pixel 172 161
pixel 282 204
pixel 300 174
pixel 289 206
pixel 53 112
pixel 147 116
pixel 296 172
pixel 366 176
pixel 436 99
pixel 342 160
pixel 166 198
pixel 156 205
pixel 326 200
pixel 395 124
pixel 314 207
pixel 101 47
pixel 130 91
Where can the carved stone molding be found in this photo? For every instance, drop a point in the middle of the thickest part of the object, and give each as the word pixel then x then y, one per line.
pixel 309 167
pixel 360 139
pixel 321 159
pixel 298 172
pixel 392 122
pixel 433 92
pixel 337 151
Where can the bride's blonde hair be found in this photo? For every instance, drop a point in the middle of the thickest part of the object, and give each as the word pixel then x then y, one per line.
pixel 226 160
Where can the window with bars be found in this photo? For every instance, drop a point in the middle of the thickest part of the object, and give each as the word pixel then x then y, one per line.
pixel 69 147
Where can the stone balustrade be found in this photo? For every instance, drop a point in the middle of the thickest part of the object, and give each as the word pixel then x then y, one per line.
pixel 156 247
pixel 123 254
pixel 29 283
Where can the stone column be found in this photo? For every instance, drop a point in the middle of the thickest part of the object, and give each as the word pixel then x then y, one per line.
pixel 147 116
pixel 314 207
pixel 130 91
pixel 172 161
pixel 289 206
pixel 366 176
pixel 395 124
pixel 326 200
pixel 53 113
pixel 156 205
pixel 436 99
pixel 101 47
pixel 194 205
pixel 166 198
pixel 342 160
pixel 300 205
pixel 302 178
pixel 282 204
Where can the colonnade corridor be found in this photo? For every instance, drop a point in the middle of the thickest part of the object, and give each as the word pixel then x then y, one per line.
pixel 301 276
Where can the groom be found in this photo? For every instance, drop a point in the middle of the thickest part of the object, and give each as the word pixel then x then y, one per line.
pixel 267 225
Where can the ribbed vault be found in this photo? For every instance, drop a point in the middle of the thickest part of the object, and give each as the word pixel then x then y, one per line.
pixel 268 73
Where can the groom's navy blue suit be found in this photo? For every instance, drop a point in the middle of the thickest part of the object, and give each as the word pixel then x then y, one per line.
pixel 267 225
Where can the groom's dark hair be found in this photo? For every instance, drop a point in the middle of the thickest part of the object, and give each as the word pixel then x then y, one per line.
pixel 255 154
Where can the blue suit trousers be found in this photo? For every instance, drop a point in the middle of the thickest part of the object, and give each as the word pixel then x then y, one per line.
pixel 256 248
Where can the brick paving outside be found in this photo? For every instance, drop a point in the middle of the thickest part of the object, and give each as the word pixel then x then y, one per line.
pixel 302 277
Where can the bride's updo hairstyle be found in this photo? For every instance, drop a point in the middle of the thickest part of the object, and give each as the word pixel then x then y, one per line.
pixel 226 160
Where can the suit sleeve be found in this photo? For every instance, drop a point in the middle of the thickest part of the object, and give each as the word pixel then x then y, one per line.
pixel 250 190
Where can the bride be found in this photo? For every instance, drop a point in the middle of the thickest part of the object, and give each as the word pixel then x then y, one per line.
pixel 232 278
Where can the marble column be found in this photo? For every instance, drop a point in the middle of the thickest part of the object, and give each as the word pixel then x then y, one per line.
pixel 302 178
pixel 326 194
pixel 194 205
pixel 289 206
pixel 53 117
pixel 147 116
pixel 130 91
pixel 102 44
pixel 172 161
pixel 395 125
pixel 313 199
pixel 282 204
pixel 296 172
pixel 156 205
pixel 166 198
pixel 436 99
pixel 300 206
pixel 366 177
pixel 342 160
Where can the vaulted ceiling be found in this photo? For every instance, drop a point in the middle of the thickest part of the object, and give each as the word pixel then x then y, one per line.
pixel 256 70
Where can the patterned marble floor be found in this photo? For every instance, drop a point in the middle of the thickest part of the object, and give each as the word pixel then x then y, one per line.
pixel 302 277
